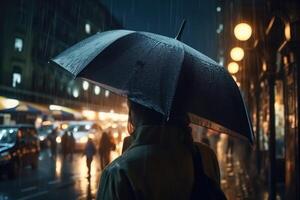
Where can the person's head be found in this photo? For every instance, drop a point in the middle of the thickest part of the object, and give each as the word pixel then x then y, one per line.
pixel 140 115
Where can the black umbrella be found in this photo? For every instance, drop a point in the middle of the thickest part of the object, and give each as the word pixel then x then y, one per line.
pixel 146 68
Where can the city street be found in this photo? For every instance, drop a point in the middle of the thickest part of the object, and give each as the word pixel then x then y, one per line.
pixel 54 179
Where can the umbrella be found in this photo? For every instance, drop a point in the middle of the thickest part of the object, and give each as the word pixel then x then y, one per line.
pixel 146 68
pixel 22 108
pixel 62 115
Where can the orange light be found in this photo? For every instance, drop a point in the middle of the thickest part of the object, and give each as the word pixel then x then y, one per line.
pixel 233 67
pixel 242 31
pixel 237 54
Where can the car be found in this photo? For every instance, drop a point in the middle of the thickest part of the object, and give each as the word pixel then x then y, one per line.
pixel 82 130
pixel 19 147
pixel 43 133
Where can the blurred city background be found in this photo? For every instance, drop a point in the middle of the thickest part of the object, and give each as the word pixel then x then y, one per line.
pixel 47 117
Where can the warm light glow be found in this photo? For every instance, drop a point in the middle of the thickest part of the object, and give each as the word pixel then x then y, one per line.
pixel 10 103
pixel 287 32
pixel 55 107
pixel 85 85
pixel 83 140
pixel 233 67
pixel 234 78
pixel 89 114
pixel 64 126
pixel 243 31
pixel 237 53
pixel 264 66
pixel 115 135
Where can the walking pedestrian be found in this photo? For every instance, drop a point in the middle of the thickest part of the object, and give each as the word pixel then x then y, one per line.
pixel 65 144
pixel 161 163
pixel 53 144
pixel 89 152
pixel 71 145
pixel 105 147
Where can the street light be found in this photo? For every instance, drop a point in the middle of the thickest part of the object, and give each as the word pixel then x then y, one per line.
pixel 242 31
pixel 237 54
pixel 233 67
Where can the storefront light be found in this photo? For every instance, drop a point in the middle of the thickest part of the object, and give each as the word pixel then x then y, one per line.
pixel 55 107
pixel 89 114
pixel 10 103
pixel 97 90
pixel 85 85
pixel 106 93
pixel 242 31
pixel 237 54
pixel 76 93
pixel 233 67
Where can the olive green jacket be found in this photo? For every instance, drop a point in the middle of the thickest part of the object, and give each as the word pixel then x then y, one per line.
pixel 158 165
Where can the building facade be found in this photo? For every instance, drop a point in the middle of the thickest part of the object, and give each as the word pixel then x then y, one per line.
pixel 268 76
pixel 34 31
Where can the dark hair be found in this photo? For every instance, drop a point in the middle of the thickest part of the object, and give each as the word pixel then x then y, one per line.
pixel 141 115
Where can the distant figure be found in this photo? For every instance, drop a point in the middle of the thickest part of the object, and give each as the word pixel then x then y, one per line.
pixel 65 144
pixel 89 152
pixel 71 145
pixel 105 147
pixel 52 139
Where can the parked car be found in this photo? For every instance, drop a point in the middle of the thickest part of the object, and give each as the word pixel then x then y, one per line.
pixel 19 147
pixel 82 130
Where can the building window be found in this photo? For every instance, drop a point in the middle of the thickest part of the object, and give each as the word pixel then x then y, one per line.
pixel 218 9
pixel 16 76
pixel 18 44
pixel 87 28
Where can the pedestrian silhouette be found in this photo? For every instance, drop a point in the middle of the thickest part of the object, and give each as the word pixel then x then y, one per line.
pixel 65 144
pixel 71 145
pixel 53 144
pixel 106 145
pixel 89 152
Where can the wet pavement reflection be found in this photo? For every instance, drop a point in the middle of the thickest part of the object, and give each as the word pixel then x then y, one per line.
pixel 55 178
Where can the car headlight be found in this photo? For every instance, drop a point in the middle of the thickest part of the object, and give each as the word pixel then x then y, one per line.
pixel 83 140
pixel 41 138
pixel 91 135
pixel 58 139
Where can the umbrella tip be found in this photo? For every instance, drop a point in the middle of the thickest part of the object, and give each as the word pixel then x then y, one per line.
pixel 179 34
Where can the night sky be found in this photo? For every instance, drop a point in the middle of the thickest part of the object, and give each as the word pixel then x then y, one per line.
pixel 165 16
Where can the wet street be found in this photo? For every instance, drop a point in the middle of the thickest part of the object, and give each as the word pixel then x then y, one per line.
pixel 54 179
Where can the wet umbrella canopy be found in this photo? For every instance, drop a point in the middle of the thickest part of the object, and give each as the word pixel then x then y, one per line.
pixel 146 67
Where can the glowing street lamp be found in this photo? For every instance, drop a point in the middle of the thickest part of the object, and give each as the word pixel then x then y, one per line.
pixel 237 54
pixel 242 31
pixel 233 67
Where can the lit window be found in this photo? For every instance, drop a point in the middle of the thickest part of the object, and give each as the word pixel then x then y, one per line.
pixel 87 28
pixel 16 79
pixel 18 44
pixel 218 9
